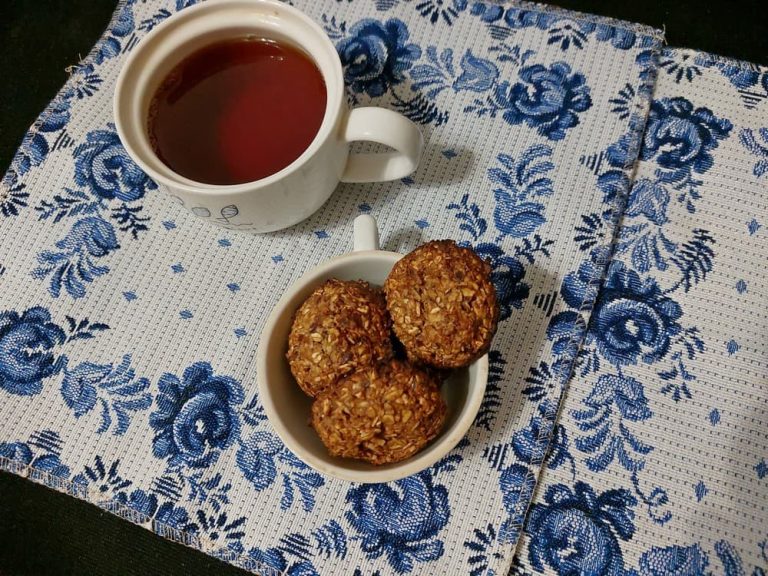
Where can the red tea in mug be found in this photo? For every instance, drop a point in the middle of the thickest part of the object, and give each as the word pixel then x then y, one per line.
pixel 237 111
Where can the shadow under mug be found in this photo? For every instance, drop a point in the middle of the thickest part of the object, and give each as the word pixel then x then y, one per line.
pixel 301 188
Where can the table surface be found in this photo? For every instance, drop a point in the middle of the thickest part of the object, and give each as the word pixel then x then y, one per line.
pixel 44 532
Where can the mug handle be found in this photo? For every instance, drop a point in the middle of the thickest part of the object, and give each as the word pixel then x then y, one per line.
pixel 365 233
pixel 385 127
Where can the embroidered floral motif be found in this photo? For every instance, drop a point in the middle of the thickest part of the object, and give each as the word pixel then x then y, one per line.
pixel 400 521
pixel 28 350
pixel 195 416
pixel 376 55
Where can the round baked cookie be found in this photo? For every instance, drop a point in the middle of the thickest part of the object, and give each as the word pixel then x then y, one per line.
pixel 384 414
pixel 341 327
pixel 443 304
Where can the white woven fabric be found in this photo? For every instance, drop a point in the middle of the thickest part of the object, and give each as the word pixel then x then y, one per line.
pixel 128 327
pixel 661 464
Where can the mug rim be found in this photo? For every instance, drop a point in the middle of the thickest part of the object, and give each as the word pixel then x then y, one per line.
pixel 124 98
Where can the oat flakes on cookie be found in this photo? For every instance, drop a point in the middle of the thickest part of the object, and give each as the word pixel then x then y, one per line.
pixel 341 327
pixel 384 414
pixel 443 304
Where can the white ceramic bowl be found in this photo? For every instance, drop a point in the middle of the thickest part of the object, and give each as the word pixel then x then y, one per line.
pixel 288 408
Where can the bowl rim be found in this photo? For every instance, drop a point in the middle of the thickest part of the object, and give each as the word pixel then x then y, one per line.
pixel 416 463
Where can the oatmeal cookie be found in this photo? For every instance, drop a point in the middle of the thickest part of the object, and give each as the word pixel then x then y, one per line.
pixel 384 414
pixel 443 304
pixel 340 328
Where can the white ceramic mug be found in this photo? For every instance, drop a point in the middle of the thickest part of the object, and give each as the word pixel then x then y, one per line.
pixel 288 408
pixel 299 189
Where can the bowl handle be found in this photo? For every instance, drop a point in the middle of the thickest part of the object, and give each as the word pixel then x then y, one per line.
pixel 366 233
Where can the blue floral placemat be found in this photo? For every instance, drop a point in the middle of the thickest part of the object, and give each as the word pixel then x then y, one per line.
pixel 660 460
pixel 128 327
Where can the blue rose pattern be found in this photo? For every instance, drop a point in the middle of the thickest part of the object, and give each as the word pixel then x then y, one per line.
pixel 401 521
pixel 29 346
pixel 682 136
pixel 680 139
pixel 378 58
pixel 31 351
pixel 633 320
pixel 578 531
pixel 636 317
pixel 112 186
pixel 548 99
pixel 376 55
pixel 195 416
pixel 103 167
pixel 199 416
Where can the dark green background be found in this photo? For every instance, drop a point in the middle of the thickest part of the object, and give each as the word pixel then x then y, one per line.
pixel 44 532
